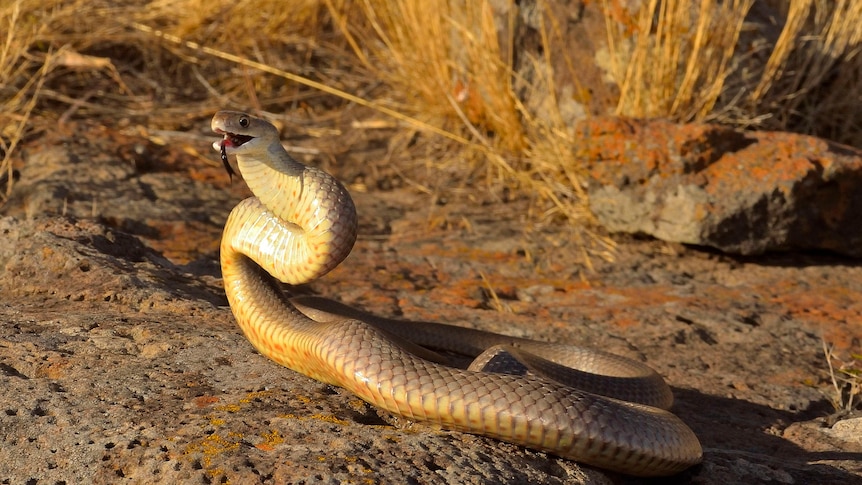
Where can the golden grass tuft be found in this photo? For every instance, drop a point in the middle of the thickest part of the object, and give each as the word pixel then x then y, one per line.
pixel 679 56
pixel 688 61
pixel 450 66
pixel 445 60
pixel 812 82
pixel 21 78
pixel 845 376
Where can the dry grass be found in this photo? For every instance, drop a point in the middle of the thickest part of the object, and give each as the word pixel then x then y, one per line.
pixel 702 62
pixel 443 68
pixel 845 375
pixel 672 59
pixel 812 82
pixel 445 59
pixel 447 62
pixel 21 78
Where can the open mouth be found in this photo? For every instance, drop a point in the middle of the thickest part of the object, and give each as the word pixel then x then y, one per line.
pixel 231 140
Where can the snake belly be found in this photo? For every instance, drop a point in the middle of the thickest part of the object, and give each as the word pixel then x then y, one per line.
pixel 301 223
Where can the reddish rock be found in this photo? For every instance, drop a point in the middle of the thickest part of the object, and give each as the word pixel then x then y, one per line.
pixel 740 192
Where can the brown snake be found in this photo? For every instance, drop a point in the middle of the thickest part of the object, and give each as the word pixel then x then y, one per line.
pixel 302 223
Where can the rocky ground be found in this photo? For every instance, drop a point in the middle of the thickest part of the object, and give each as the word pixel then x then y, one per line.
pixel 120 361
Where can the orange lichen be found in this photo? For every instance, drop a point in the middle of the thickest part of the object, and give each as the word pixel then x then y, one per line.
pixel 271 439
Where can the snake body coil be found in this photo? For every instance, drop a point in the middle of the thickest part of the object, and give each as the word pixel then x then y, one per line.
pixel 302 223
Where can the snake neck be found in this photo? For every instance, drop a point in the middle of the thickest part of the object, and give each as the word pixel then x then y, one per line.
pixel 316 218
pixel 269 173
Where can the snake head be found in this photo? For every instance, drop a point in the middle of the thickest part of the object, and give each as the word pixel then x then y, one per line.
pixel 241 134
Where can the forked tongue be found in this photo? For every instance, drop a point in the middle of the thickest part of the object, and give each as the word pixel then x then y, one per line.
pixel 227 166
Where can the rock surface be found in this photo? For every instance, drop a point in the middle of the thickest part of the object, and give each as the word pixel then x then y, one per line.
pixel 120 361
pixel 742 193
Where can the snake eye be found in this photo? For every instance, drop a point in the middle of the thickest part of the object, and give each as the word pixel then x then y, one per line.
pixel 243 121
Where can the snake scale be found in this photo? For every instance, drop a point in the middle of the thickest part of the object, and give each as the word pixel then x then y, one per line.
pixel 585 405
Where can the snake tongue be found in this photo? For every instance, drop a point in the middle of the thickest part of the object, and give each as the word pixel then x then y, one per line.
pixel 229 140
pixel 227 167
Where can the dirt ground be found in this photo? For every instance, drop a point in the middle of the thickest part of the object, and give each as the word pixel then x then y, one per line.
pixel 120 361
